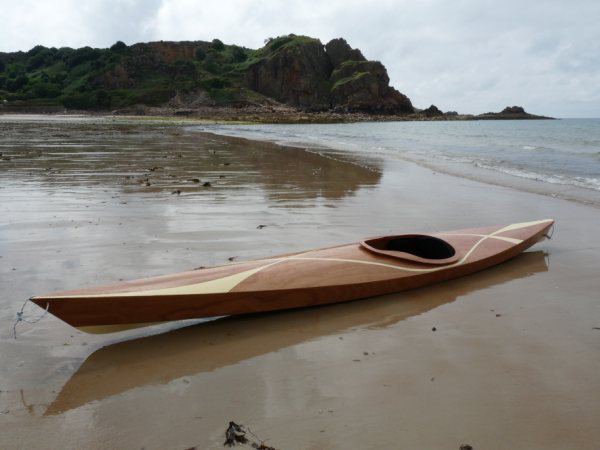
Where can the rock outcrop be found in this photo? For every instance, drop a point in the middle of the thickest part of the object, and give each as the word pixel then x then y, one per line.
pixel 432 111
pixel 364 86
pixel 292 71
pixel 513 110
pixel 300 71
pixel 338 51
pixel 510 113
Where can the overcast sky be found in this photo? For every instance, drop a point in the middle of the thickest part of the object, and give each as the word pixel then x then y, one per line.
pixel 470 56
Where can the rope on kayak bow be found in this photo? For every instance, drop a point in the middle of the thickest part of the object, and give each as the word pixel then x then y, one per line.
pixel 21 318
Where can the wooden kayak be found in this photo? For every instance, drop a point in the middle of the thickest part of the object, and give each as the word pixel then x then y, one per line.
pixel 376 266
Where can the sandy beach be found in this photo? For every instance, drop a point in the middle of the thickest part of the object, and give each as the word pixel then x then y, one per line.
pixel 513 361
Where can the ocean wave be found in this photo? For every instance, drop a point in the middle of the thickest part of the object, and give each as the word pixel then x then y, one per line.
pixel 555 178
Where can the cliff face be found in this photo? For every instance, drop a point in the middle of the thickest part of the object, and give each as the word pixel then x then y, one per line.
pixel 302 72
pixel 294 70
pixel 364 86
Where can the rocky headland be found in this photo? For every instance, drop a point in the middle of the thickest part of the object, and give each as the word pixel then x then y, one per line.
pixel 290 79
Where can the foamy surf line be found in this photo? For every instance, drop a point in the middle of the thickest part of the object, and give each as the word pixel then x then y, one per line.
pixel 579 189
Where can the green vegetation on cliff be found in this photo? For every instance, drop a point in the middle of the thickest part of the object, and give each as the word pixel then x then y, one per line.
pixel 296 70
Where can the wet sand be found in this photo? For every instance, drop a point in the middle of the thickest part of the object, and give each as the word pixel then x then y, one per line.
pixel 513 363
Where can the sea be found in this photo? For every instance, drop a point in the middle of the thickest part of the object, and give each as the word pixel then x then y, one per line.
pixel 556 157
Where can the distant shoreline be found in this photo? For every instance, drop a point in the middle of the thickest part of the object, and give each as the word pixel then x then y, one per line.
pixel 266 115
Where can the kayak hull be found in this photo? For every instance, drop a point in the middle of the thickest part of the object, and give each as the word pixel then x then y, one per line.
pixel 318 277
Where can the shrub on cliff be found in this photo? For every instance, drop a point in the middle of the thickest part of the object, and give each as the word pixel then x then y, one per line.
pixel 217 45
pixel 118 47
pixel 182 69
pixel 200 54
pixel 85 100
pixel 43 57
pixel 13 85
pixel 238 54
pixel 211 63
pixel 82 55
pixel 213 83
pixel 275 43
pixel 45 90
pixel 59 77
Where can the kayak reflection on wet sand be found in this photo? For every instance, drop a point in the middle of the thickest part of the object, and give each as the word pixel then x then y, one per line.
pixel 207 346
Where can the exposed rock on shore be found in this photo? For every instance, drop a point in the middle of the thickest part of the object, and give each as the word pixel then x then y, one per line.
pixel 510 113
pixel 432 111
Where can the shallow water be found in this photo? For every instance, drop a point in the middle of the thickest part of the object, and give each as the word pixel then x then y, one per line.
pixel 555 153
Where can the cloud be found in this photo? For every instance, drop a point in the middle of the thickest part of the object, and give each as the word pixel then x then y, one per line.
pixel 73 23
pixel 470 56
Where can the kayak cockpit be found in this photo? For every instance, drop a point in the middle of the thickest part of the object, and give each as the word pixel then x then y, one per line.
pixel 419 248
